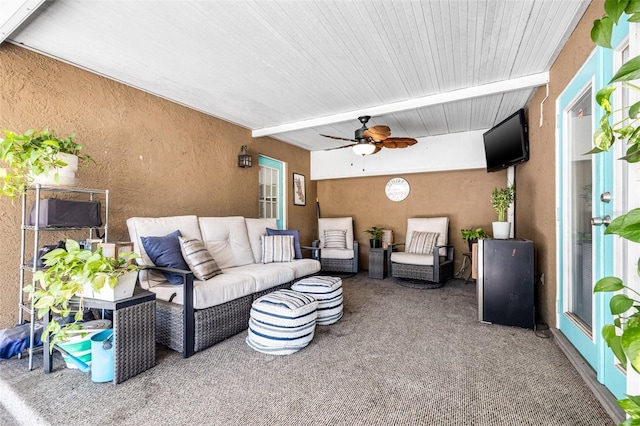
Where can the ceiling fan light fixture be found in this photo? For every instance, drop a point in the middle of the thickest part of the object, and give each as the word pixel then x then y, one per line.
pixel 364 148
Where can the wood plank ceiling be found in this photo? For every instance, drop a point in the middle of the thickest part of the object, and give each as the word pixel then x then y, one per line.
pixel 296 69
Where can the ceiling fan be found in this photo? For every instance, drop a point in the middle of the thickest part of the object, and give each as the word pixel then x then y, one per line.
pixel 370 140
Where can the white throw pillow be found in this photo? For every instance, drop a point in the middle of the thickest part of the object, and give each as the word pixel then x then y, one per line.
pixel 277 248
pixel 335 238
pixel 422 242
pixel 200 261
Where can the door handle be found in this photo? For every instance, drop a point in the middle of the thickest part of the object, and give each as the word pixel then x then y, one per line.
pixel 597 221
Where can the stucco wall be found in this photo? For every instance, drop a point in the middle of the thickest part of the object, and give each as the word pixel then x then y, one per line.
pixel 536 182
pixel 463 196
pixel 157 158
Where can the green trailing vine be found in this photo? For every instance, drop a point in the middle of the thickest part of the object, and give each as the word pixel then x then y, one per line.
pixel 623 336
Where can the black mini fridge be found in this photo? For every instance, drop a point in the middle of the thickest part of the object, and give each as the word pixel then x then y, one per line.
pixel 506 282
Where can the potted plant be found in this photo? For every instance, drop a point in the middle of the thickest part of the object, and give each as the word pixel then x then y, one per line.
pixel 74 273
pixel 38 156
pixel 501 200
pixel 472 236
pixel 375 233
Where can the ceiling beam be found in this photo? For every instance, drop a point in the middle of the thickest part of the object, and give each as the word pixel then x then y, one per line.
pixel 534 80
pixel 13 13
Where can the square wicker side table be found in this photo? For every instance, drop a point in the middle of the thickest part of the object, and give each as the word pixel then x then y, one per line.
pixel 134 327
pixel 378 258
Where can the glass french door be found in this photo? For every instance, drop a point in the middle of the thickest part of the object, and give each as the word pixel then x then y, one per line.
pixel 271 190
pixel 585 188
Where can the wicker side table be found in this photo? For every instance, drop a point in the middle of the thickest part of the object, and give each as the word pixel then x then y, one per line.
pixel 378 259
pixel 134 328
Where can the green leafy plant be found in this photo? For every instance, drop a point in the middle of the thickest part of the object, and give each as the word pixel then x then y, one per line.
pixel 473 234
pixel 374 232
pixel 33 153
pixel 67 271
pixel 501 199
pixel 623 336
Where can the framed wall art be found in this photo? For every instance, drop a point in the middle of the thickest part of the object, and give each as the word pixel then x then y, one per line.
pixel 299 191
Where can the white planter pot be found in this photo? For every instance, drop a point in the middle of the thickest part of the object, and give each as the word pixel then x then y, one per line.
pixel 66 174
pixel 123 289
pixel 501 230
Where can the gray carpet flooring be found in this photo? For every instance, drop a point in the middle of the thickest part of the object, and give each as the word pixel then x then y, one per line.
pixel 399 356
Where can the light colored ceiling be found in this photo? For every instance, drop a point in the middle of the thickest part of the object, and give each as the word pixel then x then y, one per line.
pixel 297 69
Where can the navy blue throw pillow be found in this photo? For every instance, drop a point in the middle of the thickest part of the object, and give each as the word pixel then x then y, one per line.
pixel 296 238
pixel 165 252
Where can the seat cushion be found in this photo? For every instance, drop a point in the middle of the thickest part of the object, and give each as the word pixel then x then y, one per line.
pixel 212 292
pixel 159 226
pixel 303 267
pixel 256 228
pixel 227 240
pixel 332 253
pixel 412 258
pixel 265 276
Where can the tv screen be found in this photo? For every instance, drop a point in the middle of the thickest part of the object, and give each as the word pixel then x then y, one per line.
pixel 507 143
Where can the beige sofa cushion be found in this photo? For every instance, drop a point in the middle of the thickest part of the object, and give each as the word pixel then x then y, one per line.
pixel 256 228
pixel 265 276
pixel 215 291
pixel 227 240
pixel 157 227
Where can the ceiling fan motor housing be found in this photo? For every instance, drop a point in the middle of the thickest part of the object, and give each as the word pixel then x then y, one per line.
pixel 359 132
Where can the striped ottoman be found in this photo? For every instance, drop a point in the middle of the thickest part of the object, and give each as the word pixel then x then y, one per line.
pixel 328 292
pixel 282 322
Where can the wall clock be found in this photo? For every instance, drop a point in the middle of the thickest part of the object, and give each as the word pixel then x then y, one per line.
pixel 397 189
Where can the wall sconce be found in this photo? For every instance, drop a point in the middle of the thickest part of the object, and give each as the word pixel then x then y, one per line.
pixel 244 159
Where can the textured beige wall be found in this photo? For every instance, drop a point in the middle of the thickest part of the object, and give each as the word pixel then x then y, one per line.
pixel 536 181
pixel 464 195
pixel 156 157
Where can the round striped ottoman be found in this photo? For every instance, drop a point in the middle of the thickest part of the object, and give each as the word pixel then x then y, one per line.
pixel 282 322
pixel 328 292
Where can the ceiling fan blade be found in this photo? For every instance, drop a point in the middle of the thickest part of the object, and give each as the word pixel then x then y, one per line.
pixel 377 150
pixel 399 142
pixel 339 138
pixel 340 147
pixel 377 133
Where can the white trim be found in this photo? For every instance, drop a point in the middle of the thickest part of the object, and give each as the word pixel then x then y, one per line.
pixel 13 13
pixel 534 80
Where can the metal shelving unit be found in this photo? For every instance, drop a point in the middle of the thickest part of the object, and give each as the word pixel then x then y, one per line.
pixel 25 304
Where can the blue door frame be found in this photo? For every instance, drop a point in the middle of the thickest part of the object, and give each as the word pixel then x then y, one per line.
pixel 597 71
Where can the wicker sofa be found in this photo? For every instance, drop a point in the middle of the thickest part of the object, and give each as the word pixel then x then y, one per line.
pixel 198 314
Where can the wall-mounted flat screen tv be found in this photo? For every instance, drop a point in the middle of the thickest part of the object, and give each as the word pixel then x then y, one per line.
pixel 507 143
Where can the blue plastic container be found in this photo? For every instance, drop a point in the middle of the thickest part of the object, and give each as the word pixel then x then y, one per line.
pixel 102 356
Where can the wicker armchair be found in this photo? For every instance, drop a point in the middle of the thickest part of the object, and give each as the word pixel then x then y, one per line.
pixel 336 255
pixel 424 259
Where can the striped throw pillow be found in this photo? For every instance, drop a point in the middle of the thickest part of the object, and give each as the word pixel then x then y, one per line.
pixel 422 242
pixel 277 248
pixel 335 238
pixel 200 261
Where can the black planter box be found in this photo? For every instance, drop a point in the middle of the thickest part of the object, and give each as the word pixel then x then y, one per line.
pixel 56 213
